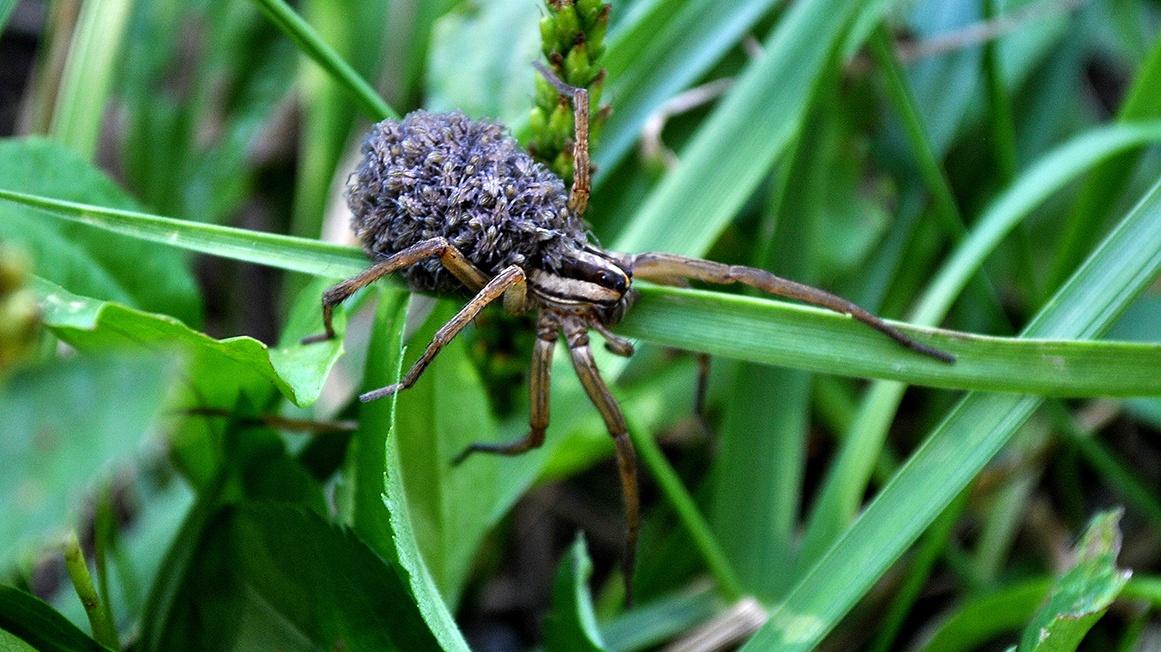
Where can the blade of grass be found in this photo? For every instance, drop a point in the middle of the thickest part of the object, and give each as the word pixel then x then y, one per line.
pixel 971 435
pixel 1104 186
pixel 327 109
pixel 846 482
pixel 712 322
pixel 743 137
pixel 271 249
pixel 88 74
pixel 6 7
pixel 658 50
pixel 757 472
pixel 325 56
pixel 687 511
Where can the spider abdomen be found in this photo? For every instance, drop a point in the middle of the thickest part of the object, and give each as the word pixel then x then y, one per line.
pixel 444 174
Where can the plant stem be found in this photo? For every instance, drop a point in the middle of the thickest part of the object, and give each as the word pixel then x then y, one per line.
pixel 687 512
pixel 100 619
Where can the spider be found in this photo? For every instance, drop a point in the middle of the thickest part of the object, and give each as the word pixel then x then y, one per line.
pixel 457 206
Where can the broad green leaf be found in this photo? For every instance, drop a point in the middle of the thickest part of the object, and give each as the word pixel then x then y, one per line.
pixel 451 507
pixel 271 576
pixel 971 435
pixel 1081 596
pixel 26 623
pixel 743 137
pixel 298 371
pixel 366 467
pixel 66 426
pixel 86 260
pixel 572 625
pixel 380 416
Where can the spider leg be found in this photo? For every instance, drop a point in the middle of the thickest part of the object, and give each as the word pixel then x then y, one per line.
pixel 616 344
pixel 665 267
pixel 511 279
pixel 578 198
pixel 598 391
pixel 452 259
pixel 546 333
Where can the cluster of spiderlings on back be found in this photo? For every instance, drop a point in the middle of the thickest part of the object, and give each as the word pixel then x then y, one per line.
pixel 444 174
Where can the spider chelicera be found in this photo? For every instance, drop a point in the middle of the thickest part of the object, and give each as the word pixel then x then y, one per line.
pixel 457 206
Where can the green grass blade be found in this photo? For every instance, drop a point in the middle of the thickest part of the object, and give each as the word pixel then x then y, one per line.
pixel 711 322
pixel 982 618
pixel 677 495
pixel 325 56
pixel 971 435
pixel 735 148
pixel 771 332
pixel 572 625
pixel 327 109
pixel 846 483
pixel 1101 191
pixel 271 249
pixel 88 75
pixel 656 52
pixel 6 7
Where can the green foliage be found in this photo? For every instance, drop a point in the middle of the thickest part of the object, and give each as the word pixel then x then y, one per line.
pixel 66 428
pixel 995 188
pixel 1081 596
pixel 572 625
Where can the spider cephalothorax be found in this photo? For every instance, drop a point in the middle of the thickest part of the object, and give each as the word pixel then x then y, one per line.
pixel 456 205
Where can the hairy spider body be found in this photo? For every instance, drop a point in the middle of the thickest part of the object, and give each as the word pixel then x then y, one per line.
pixel 445 175
pixel 455 205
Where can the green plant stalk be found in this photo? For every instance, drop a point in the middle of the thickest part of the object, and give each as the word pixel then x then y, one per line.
pixel 971 435
pixel 775 332
pixel 845 485
pixel 687 511
pixel 88 74
pixel 374 106
pixel 100 619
